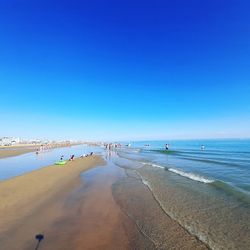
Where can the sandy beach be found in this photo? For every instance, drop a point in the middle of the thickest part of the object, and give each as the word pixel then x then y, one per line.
pixel 70 213
pixel 14 151
pixel 24 197
pixel 18 149
pixel 86 204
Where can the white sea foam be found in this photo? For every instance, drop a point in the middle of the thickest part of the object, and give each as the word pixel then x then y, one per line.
pixel 157 166
pixel 144 163
pixel 191 176
pixel 153 165
pixel 145 182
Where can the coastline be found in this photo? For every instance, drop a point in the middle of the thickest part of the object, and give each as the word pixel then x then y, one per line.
pixel 133 196
pixel 199 197
pixel 85 200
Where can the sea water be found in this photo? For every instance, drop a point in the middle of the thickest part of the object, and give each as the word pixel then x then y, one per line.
pixel 21 164
pixel 206 189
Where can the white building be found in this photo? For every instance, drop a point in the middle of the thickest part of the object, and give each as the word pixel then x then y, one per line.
pixel 8 141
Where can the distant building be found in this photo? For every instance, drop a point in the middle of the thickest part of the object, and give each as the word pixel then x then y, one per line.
pixel 9 141
pixel 35 141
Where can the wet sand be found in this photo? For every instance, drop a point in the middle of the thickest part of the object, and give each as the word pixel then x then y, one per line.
pixel 91 219
pixel 9 152
pixel 71 214
pixel 24 198
pixel 137 201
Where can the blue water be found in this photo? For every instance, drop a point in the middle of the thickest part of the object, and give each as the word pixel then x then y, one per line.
pixel 206 191
pixel 227 161
pixel 21 164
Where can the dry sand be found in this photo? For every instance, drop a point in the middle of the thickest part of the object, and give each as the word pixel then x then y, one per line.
pixel 24 195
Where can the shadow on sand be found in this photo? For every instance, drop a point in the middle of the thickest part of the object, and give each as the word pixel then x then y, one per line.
pixel 39 238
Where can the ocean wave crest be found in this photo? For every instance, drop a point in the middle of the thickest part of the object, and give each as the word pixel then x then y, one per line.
pixel 158 166
pixel 191 176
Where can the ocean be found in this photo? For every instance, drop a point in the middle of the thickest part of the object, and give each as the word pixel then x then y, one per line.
pixel 205 189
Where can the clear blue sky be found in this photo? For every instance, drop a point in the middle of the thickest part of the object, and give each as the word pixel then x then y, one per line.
pixel 125 69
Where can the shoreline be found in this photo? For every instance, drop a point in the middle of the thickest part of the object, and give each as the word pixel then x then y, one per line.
pixel 133 196
pixel 85 200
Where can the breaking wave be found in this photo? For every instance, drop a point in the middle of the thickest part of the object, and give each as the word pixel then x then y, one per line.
pixel 191 176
